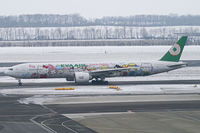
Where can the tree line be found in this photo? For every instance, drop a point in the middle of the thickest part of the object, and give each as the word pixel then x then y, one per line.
pixel 95 33
pixel 50 20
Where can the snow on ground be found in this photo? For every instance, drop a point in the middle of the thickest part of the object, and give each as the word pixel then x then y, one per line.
pixel 102 90
pixel 41 95
pixel 91 54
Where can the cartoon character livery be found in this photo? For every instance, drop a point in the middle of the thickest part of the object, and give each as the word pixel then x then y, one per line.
pixel 83 73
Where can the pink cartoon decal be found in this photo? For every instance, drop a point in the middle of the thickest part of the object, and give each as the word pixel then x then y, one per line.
pixel 32 66
pixel 52 69
pixel 44 66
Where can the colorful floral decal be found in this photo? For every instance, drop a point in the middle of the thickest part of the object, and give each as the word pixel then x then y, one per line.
pixel 49 70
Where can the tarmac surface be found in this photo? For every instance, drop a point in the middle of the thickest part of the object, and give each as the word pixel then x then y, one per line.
pixel 5 85
pixel 15 117
pixel 144 122
pixel 32 118
pixel 23 118
pixel 126 106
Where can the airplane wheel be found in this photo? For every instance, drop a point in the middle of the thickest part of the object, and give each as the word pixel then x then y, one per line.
pixel 100 82
pixel 94 82
pixel 19 82
pixel 106 82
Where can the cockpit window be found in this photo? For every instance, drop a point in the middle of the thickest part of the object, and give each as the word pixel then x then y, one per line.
pixel 11 69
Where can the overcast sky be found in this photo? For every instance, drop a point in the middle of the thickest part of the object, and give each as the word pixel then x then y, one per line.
pixel 99 8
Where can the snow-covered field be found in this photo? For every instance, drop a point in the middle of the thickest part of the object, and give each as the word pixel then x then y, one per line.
pixel 104 90
pixel 91 54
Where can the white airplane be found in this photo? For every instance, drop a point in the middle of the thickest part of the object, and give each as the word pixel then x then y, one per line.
pixel 83 73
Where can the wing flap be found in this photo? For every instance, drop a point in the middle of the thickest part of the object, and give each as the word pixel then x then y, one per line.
pixel 178 65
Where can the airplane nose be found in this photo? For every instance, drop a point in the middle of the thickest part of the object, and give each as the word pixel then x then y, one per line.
pixel 8 72
pixel 3 71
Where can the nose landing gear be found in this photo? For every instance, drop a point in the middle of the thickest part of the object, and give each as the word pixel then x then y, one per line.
pixel 19 82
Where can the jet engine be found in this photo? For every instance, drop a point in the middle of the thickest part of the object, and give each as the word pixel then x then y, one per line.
pixel 82 77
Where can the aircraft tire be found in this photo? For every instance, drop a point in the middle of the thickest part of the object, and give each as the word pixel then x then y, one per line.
pixel 94 82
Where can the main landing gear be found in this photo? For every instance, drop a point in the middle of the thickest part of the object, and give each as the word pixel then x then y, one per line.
pixel 99 82
pixel 19 82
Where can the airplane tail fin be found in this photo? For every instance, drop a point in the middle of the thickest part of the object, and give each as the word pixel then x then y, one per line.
pixel 175 51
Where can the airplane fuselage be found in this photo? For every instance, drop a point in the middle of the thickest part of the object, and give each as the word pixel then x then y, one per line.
pixel 66 70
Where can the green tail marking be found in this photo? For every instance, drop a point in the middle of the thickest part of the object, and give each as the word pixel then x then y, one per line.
pixel 175 51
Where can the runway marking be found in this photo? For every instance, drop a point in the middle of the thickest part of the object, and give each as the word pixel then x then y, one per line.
pixel 49 130
pixel 68 127
pixel 14 115
pixel 62 124
pixel 46 125
pixel 52 131
pixel 16 122
pixel 77 115
pixel 191 118
pixel 123 130
pixel 188 117
pixel 51 110
pixel 52 119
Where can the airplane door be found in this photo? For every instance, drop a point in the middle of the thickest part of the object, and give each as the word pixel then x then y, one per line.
pixel 146 68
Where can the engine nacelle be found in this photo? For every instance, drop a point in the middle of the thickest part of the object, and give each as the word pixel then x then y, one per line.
pixel 82 77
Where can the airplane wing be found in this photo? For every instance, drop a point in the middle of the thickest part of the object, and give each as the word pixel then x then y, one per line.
pixel 107 72
pixel 178 65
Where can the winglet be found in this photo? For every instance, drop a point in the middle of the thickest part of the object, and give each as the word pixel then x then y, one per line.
pixel 175 51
